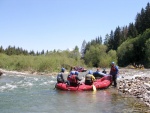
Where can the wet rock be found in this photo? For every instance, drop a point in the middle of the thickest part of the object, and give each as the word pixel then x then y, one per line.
pixel 136 83
pixel 1 73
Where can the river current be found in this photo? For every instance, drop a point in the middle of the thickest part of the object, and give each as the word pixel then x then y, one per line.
pixel 20 93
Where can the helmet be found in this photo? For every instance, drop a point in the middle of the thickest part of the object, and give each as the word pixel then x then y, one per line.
pixel 76 73
pixel 62 69
pixel 113 63
pixel 72 73
pixel 90 72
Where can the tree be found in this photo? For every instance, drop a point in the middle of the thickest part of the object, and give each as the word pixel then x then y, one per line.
pixel 76 53
pixel 1 50
pixel 83 48
pixel 32 52
pixel 106 40
pixel 143 19
pixel 113 56
pixel 147 53
pixel 132 32
pixel 147 16
pixel 42 52
pixel 76 48
pixel 111 41
pixel 95 55
pixel 125 52
pixel 99 40
pixel 134 50
pixel 123 34
pixel 139 21
pixel 117 38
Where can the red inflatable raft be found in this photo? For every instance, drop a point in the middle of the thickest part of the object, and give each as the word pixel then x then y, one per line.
pixel 80 69
pixel 102 83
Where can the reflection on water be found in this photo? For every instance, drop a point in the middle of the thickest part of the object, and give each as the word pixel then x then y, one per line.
pixel 20 93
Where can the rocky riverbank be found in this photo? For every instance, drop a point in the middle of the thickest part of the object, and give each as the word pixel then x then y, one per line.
pixel 135 83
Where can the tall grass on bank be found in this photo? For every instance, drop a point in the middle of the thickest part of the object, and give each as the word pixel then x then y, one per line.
pixel 42 63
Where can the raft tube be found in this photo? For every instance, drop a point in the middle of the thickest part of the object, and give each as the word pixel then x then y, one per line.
pixel 102 83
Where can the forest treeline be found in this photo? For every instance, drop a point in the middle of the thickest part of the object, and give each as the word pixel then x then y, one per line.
pixel 125 45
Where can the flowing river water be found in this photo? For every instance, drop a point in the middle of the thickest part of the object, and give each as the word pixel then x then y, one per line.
pixel 20 93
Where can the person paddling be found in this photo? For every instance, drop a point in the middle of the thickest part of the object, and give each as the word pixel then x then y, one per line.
pixel 73 78
pixel 60 76
pixel 89 78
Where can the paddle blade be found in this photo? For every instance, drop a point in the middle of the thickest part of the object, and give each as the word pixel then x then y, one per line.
pixel 94 88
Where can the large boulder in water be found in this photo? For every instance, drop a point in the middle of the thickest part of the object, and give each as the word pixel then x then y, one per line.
pixel 1 73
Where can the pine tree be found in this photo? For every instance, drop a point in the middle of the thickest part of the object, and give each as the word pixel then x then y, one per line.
pixel 132 32
pixel 83 48
pixel 147 16
pixel 124 34
pixel 117 38
pixel 106 40
pixel 1 50
pixel 111 41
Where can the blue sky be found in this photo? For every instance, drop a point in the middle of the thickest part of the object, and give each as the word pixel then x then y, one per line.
pixel 61 24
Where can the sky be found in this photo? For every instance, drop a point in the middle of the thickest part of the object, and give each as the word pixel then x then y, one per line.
pixel 62 24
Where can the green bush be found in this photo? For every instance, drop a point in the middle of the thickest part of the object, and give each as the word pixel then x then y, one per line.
pixel 96 56
pixel 51 62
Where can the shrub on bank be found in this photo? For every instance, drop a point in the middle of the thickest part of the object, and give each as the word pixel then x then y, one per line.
pixel 42 63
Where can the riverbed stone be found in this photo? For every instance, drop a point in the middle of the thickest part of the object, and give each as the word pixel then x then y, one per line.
pixel 135 84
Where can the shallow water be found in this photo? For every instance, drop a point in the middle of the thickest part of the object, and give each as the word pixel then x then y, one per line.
pixel 32 94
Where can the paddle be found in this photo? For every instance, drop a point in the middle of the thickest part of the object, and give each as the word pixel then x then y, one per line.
pixel 55 86
pixel 94 88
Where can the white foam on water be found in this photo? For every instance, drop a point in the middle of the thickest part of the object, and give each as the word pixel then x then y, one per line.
pixel 2 88
pixel 20 82
pixel 44 83
pixel 48 82
pixel 27 84
pixel 52 81
pixel 4 74
pixel 7 87
pixel 53 76
pixel 10 86
pixel 36 79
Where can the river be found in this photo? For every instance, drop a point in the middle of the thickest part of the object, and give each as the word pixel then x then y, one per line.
pixel 20 93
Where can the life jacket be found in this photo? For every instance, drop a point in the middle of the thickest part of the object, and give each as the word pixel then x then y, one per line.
pixel 59 77
pixel 72 79
pixel 88 77
pixel 113 68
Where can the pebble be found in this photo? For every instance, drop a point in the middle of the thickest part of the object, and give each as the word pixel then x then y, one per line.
pixel 136 83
